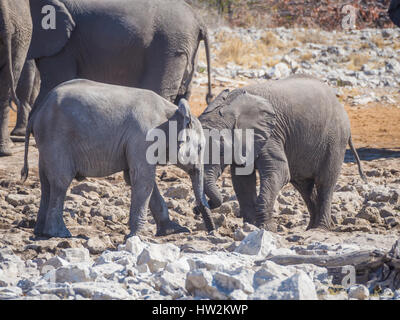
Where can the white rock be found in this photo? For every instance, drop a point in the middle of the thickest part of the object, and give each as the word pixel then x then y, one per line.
pixel 258 243
pixel 172 284
pixel 359 292
pixel 238 295
pixel 75 255
pixel 101 291
pixel 134 245
pixel 107 270
pixel 53 263
pixel 297 287
pixel 120 257
pixel 73 273
pixel 240 279
pixel 10 293
pixel 200 284
pixel 96 245
pixel 279 71
pixel 7 255
pixel 179 266
pixel 218 261
pixel 157 256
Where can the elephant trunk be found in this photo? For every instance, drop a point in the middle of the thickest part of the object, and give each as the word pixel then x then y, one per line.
pixel 211 190
pixel 197 178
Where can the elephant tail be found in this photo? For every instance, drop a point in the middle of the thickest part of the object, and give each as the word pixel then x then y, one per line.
pixel 25 169
pixel 354 151
pixel 205 38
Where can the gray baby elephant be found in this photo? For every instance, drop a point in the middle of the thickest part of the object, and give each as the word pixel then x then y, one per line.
pixel 300 136
pixel 89 129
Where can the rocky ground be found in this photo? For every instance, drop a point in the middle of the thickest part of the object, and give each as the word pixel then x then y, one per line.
pixel 236 261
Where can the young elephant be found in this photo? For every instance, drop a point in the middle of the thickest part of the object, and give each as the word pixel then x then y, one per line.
pixel 300 136
pixel 89 129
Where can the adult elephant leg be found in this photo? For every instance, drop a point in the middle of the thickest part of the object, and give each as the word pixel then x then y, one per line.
pixel 309 195
pixel 246 194
pixel 5 142
pixel 22 119
pixel 24 93
pixel 159 210
pixel 54 71
pixel 274 175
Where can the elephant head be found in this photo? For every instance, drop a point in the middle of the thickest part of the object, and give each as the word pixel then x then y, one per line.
pixel 190 157
pixel 394 12
pixel 229 111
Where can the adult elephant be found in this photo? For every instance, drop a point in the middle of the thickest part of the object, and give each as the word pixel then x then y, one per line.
pixel 394 12
pixel 150 44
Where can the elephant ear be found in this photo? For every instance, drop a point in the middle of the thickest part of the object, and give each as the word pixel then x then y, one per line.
pixel 394 12
pixel 247 111
pixel 52 28
pixel 217 102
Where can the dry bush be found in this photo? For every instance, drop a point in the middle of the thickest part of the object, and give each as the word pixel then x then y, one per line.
pixel 306 56
pixel 357 60
pixel 378 40
pixel 271 40
pixel 310 36
pixel 253 54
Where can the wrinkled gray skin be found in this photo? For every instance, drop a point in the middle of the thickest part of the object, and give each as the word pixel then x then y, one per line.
pixel 301 134
pixel 90 129
pixel 27 92
pixel 394 12
pixel 150 44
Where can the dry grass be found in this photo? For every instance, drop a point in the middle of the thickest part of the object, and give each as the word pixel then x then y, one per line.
pixel 357 60
pixel 378 41
pixel 310 36
pixel 253 54
pixel 306 56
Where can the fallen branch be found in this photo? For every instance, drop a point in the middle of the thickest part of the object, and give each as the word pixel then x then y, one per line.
pixel 366 259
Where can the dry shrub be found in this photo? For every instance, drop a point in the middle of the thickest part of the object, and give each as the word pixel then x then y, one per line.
pixel 309 36
pixel 271 40
pixel 251 54
pixel 306 56
pixel 357 60
pixel 378 40
pixel 248 54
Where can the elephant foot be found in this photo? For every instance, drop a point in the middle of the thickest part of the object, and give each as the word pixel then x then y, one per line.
pixel 5 149
pixel 170 228
pixel 60 231
pixel 19 132
pixel 320 227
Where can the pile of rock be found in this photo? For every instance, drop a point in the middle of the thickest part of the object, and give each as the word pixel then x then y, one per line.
pixel 144 270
